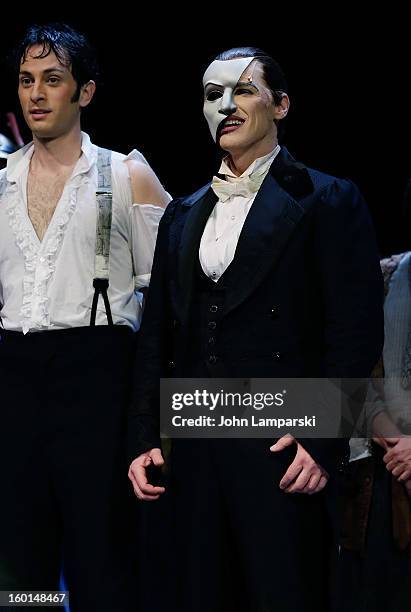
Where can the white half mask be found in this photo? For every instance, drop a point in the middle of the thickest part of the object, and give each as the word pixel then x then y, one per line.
pixel 225 75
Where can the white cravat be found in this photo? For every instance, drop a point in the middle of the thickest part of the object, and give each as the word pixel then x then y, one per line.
pixel 235 197
pixel 246 188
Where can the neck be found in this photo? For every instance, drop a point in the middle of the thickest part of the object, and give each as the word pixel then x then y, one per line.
pixel 52 155
pixel 240 160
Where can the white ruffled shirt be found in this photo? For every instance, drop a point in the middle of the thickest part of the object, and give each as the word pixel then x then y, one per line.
pixel 224 225
pixel 49 284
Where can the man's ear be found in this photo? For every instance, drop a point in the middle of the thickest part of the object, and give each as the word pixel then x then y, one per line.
pixel 281 110
pixel 87 93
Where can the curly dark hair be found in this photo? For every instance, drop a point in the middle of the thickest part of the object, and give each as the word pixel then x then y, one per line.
pixel 70 46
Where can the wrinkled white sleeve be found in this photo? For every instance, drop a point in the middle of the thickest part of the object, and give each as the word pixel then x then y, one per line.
pixel 145 219
pixel 144 222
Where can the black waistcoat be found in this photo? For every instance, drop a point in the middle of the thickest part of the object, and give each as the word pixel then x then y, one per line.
pixel 203 357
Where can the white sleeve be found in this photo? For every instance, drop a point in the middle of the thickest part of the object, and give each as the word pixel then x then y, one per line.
pixel 134 154
pixel 145 219
pixel 142 219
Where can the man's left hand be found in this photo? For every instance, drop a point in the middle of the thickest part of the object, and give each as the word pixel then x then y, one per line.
pixel 304 475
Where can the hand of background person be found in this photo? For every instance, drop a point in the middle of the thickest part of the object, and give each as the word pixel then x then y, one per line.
pixel 303 475
pixel 398 458
pixel 383 442
pixel 385 432
pixel 138 475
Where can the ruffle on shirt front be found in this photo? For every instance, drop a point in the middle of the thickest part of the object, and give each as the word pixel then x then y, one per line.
pixel 39 257
pixel 24 240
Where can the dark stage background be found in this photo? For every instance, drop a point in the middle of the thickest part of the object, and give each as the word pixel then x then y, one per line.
pixel 347 79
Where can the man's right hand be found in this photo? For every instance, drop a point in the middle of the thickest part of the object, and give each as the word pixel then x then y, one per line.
pixel 138 475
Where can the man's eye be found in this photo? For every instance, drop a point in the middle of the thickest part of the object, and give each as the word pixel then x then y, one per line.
pixel 25 81
pixel 53 80
pixel 213 95
pixel 241 90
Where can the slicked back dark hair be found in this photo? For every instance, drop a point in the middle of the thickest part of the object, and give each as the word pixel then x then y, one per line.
pixel 272 72
pixel 70 46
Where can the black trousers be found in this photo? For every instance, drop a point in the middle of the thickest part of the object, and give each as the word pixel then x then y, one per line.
pixel 239 543
pixel 65 499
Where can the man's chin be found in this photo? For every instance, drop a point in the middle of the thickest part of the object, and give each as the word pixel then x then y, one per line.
pixel 231 141
pixel 230 146
pixel 43 133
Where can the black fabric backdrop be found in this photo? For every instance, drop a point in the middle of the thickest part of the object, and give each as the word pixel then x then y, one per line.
pixel 347 77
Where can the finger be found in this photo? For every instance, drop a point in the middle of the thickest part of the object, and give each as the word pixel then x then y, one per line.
pixel 405 475
pixel 146 461
pixel 132 477
pixel 390 455
pixel 139 493
pixel 143 460
pixel 136 488
pixel 391 465
pixel 137 473
pixel 149 489
pixel 397 471
pixel 291 474
pixel 157 457
pixel 143 490
pixel 146 487
pixel 300 483
pixel 148 497
pixel 312 483
pixel 141 496
pixel 321 484
pixel 282 443
pixel 140 476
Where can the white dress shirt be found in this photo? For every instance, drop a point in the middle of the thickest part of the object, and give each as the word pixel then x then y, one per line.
pixel 223 228
pixel 48 284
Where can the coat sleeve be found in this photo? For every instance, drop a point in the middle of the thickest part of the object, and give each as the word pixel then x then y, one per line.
pixel 151 355
pixel 352 302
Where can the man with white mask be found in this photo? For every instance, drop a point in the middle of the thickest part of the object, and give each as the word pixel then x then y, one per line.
pixel 271 270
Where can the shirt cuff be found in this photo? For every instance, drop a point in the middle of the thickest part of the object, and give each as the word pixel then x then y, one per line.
pixel 142 280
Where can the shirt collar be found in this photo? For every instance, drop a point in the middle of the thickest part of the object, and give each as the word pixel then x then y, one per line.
pixel 260 165
pixel 17 163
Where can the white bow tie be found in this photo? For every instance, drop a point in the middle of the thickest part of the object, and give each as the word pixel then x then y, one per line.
pixel 245 187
